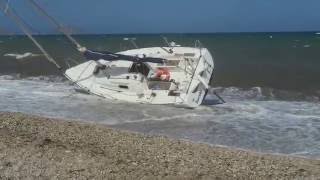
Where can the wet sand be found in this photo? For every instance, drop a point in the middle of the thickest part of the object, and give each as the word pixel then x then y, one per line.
pixel 35 147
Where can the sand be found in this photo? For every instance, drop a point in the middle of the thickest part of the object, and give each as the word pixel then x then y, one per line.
pixel 41 148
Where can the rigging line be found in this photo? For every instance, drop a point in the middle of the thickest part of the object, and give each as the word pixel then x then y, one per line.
pixel 7 6
pixel 60 27
pixel 20 23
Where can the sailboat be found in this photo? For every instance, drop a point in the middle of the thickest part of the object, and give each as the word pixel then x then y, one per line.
pixel 154 75
pixel 173 74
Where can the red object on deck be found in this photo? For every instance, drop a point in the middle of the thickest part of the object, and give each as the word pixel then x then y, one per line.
pixel 163 74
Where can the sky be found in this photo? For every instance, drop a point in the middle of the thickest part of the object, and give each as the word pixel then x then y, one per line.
pixel 170 16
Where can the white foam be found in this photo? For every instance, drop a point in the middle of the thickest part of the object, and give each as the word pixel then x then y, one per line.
pixel 8 77
pixel 52 78
pixel 245 121
pixel 22 56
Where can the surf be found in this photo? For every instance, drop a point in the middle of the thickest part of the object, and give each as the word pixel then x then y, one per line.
pixel 280 125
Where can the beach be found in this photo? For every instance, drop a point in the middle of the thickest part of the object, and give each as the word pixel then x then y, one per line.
pixel 270 86
pixel 35 147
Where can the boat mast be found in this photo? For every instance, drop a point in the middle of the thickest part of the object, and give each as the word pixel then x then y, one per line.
pixel 8 11
pixel 59 26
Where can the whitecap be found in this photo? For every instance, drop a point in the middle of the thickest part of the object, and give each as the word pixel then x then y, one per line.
pixel 22 56
pixel 51 78
pixel 245 121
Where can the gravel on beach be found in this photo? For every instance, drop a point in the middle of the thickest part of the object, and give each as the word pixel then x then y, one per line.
pixel 33 147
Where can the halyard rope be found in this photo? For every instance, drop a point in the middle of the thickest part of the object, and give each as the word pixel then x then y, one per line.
pixel 59 26
pixel 17 19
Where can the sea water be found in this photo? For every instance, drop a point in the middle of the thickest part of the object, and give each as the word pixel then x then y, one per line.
pixel 271 86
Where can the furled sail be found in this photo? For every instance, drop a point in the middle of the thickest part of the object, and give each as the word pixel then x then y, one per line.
pixel 108 56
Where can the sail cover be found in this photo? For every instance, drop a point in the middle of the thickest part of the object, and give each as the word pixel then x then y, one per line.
pixel 108 56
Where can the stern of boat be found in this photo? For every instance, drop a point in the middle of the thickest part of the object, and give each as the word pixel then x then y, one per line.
pixel 200 81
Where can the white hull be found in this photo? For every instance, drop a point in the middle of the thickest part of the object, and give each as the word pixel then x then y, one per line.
pixel 190 74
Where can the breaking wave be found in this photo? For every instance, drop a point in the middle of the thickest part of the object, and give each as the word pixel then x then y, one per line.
pixel 23 56
pixel 256 118
pixel 49 78
pixel 233 93
pixel 265 94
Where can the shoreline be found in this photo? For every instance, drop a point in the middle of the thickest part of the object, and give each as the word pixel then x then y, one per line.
pixel 37 147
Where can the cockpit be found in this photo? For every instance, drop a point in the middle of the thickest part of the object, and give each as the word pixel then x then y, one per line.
pixel 158 79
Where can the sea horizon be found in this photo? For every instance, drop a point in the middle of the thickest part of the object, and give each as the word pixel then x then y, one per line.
pixel 167 33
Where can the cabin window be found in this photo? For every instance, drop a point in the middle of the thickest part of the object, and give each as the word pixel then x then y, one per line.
pixel 123 87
